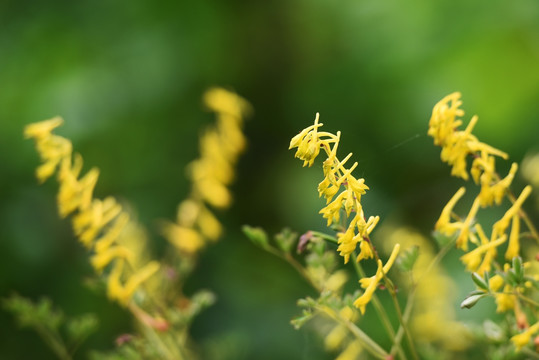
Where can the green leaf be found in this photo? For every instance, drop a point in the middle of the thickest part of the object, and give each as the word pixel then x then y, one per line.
pixel 518 269
pixel 407 259
pixel 479 281
pixel 286 239
pixel 442 239
pixel 257 235
pixel 81 327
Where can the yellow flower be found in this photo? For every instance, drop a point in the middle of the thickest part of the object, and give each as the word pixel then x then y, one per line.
pixel 523 339
pixel 495 283
pixel 472 259
pixel 444 224
pixel 352 351
pixel 505 301
pixel 370 283
pixel 513 248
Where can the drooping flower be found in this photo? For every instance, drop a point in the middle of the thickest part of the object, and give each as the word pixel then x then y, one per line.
pixel 371 283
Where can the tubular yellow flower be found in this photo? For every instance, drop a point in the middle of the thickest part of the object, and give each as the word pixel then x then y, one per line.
pixel 371 283
pixel 501 225
pixel 444 224
pixel 472 259
pixel 523 339
pixel 513 248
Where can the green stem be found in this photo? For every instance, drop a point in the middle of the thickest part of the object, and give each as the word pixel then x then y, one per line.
pixel 54 341
pixel 324 236
pixel 379 308
pixel 295 264
pixel 406 316
pixel 369 344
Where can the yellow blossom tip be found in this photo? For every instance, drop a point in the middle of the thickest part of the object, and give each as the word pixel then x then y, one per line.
pixel 43 128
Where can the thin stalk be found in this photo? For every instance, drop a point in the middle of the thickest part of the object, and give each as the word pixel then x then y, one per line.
pixel 369 344
pixel 379 309
pixel 54 341
pixel 406 316
pixel 391 288
pixel 295 264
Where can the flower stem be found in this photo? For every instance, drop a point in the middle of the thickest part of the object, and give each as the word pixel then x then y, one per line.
pixel 369 344
pixel 379 309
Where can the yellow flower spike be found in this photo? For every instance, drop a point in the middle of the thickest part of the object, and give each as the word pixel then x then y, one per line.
pixel 444 225
pixel 472 259
pixel 523 339
pixel 513 248
pixel 100 260
pixel 500 188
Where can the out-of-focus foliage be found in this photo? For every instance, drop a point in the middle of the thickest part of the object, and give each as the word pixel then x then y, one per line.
pixel 127 78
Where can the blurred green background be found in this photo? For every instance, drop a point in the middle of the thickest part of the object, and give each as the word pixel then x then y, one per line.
pixel 127 76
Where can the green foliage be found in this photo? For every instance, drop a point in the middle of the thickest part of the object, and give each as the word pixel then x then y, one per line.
pixel 48 323
pixel 407 259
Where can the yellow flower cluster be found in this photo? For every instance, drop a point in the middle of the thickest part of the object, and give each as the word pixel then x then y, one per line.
pixel 456 146
pixel 98 224
pixel 210 174
pixel 309 142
